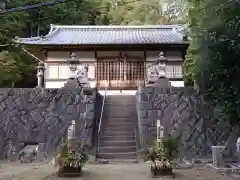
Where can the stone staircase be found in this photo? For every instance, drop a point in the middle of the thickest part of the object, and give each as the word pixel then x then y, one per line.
pixel 117 136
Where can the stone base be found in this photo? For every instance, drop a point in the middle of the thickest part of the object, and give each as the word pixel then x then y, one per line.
pixel 12 157
pixel 27 159
pixel 227 168
pixel 41 157
pixel 183 164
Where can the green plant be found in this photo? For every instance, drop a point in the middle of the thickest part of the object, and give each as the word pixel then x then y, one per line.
pixel 75 159
pixel 65 158
pixel 161 156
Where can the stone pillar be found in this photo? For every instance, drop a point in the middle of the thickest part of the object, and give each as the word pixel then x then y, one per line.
pixel 12 155
pixel 41 152
pixel 40 75
pixel 238 149
pixel 72 144
pixel 217 152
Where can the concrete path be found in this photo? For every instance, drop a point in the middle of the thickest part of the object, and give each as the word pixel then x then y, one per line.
pixel 108 172
pixel 140 172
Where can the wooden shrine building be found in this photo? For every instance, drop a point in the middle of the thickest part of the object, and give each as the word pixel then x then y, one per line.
pixel 118 57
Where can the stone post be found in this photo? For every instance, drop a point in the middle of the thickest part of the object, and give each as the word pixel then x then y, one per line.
pixel 238 149
pixel 41 152
pixel 217 152
pixel 40 75
pixel 12 155
pixel 72 144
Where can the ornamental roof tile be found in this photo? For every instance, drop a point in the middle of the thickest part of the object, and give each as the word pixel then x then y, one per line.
pixel 104 35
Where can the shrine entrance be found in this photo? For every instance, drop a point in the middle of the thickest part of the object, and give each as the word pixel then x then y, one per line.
pixel 120 74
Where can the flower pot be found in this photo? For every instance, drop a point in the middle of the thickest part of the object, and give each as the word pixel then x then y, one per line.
pixel 156 172
pixel 68 171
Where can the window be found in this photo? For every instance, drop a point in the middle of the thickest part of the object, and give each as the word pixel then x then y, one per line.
pixel 174 71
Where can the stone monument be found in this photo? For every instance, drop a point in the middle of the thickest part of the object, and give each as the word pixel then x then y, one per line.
pixel 217 155
pixel 41 155
pixel 238 149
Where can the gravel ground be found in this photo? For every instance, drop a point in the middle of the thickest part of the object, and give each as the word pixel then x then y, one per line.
pixel 16 171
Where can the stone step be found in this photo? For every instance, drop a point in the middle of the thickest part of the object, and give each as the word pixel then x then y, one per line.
pixel 117 105
pixel 117 149
pixel 117 119
pixel 125 155
pixel 117 128
pixel 110 132
pixel 119 108
pixel 117 138
pixel 117 115
pixel 117 143
pixel 126 98
pixel 117 161
pixel 121 124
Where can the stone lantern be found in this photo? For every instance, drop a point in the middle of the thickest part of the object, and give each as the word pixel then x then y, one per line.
pixel 2 5
pixel 40 75
pixel 161 65
pixel 73 63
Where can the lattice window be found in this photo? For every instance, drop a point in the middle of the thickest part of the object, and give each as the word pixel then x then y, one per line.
pixel 174 71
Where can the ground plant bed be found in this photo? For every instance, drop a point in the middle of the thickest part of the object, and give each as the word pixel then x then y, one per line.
pixel 70 171
pixel 156 172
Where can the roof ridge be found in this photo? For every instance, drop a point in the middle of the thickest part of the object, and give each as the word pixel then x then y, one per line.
pixel 114 26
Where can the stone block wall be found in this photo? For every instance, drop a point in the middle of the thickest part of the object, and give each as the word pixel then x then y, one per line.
pixel 43 116
pixel 184 114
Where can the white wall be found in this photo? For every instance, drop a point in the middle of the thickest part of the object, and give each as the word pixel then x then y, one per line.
pixel 60 71
pixel 65 55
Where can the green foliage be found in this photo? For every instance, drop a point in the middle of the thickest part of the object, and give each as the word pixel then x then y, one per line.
pixel 79 12
pixel 63 149
pixel 140 12
pixel 33 23
pixel 9 72
pixel 162 156
pixel 75 159
pixel 215 52
pixel 70 159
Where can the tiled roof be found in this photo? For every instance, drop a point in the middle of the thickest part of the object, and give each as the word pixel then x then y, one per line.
pixel 103 35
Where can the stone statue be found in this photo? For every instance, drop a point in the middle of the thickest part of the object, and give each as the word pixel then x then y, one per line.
pixel 81 75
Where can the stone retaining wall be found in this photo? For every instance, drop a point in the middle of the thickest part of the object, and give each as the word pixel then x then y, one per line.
pixel 184 115
pixel 43 116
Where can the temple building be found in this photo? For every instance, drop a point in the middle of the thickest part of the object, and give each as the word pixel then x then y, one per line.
pixel 116 57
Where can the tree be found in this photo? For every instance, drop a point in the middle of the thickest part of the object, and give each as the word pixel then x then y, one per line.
pixel 215 53
pixel 138 12
pixel 33 23
pixel 9 72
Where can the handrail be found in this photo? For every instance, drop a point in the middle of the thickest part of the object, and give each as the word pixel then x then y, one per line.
pixel 100 122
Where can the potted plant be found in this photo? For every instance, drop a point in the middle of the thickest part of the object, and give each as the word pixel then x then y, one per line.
pixel 70 162
pixel 161 157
